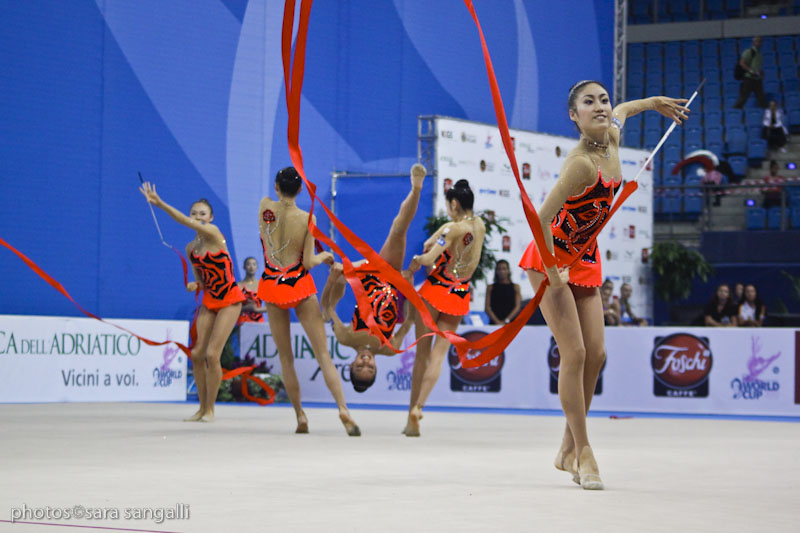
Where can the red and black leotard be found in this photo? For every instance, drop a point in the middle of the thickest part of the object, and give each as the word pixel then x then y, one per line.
pixel 383 298
pixel 219 285
pixel 285 287
pixel 577 222
pixel 251 316
pixel 444 291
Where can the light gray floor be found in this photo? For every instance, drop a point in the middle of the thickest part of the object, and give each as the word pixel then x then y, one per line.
pixel 468 472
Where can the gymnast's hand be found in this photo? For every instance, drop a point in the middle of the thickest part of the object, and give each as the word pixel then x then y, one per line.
pixel 671 108
pixel 558 277
pixel 414 265
pixel 149 191
pixel 326 257
pixel 193 286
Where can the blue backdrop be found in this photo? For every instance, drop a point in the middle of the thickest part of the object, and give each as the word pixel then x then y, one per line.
pixel 190 93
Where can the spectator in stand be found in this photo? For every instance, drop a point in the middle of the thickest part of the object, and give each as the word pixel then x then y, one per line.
pixel 721 311
pixel 610 304
pixel 753 80
pixel 774 130
pixel 503 299
pixel 738 293
pixel 773 195
pixel 751 310
pixel 626 314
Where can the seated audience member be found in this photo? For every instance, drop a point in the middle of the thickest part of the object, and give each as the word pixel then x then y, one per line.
pixel 626 314
pixel 738 293
pixel 720 310
pixel 751 309
pixel 773 195
pixel 610 304
pixel 503 299
pixel 774 129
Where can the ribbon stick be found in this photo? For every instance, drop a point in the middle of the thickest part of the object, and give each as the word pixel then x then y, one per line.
pixel 668 132
pixel 184 264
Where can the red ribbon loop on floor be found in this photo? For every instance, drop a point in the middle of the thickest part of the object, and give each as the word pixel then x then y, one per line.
pixel 247 375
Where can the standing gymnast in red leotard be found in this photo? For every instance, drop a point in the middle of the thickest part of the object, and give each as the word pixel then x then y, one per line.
pixel 286 283
pixel 253 308
pixel 452 252
pixel 222 298
pixel 571 216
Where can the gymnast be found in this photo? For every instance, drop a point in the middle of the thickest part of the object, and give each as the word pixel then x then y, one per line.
pixel 383 296
pixel 253 308
pixel 571 216
pixel 452 252
pixel 286 283
pixel 222 298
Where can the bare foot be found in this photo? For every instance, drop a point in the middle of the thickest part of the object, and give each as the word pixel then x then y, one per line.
pixel 349 424
pixel 589 471
pixel 208 417
pixel 195 417
pixel 417 175
pixel 565 461
pixel 302 423
pixel 412 427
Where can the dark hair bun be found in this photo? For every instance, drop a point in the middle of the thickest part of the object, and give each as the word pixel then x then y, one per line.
pixel 461 192
pixel 288 181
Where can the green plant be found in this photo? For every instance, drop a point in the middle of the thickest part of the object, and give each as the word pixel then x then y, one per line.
pixel 488 259
pixel 677 266
pixel 795 284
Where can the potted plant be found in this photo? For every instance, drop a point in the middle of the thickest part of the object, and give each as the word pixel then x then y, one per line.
pixel 677 266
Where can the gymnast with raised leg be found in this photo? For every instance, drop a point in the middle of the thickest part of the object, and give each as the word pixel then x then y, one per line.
pixel 453 252
pixel 286 283
pixel 222 298
pixel 571 216
pixel 383 296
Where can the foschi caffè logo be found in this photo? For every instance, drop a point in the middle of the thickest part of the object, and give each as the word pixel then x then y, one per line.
pixel 70 344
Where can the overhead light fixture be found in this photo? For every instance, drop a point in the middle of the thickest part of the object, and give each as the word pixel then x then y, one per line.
pixel 791 165
pixel 750 202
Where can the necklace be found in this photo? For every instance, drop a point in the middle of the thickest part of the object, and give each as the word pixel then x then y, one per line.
pixel 596 144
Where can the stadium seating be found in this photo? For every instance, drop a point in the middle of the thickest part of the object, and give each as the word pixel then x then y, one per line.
pixel 755 218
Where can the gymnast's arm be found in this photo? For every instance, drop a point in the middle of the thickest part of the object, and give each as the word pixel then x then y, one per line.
pixel 444 240
pixel 310 257
pixel 576 174
pixel 409 314
pixel 208 230
pixel 197 284
pixel 669 107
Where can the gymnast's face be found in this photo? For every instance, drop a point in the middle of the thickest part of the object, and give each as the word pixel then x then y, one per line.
pixel 592 111
pixel 201 213
pixel 363 367
pixel 251 266
pixel 625 291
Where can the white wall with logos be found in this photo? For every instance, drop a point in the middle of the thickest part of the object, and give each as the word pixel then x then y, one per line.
pixel 474 151
pixel 63 359
pixel 663 370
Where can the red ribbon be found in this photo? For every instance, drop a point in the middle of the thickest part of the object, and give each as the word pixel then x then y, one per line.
pixel 247 375
pixel 60 288
pixel 245 371
pixel 492 344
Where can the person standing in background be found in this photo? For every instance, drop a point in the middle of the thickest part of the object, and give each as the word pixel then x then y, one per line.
pixel 503 299
pixel 753 80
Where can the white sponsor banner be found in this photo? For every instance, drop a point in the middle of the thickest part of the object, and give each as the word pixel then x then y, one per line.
pixel 666 370
pixel 474 151
pixel 63 359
